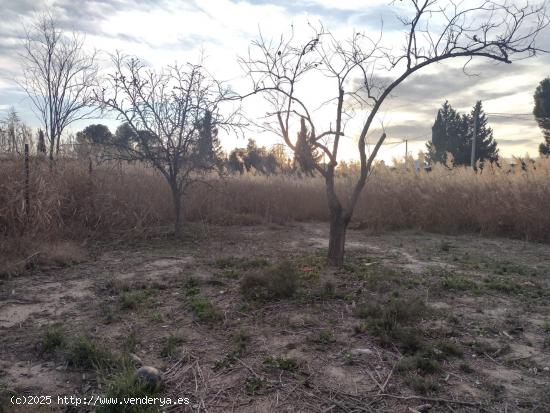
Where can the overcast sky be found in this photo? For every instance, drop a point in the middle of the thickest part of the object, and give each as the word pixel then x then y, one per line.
pixel 161 32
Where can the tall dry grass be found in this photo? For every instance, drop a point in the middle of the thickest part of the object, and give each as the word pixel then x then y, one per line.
pixel 499 201
pixel 67 202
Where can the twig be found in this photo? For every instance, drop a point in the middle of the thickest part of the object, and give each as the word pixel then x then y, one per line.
pixel 376 381
pixel 30 257
pixel 388 378
pixel 248 367
pixel 432 399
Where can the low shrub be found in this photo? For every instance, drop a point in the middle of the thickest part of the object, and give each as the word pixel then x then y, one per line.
pixel 275 282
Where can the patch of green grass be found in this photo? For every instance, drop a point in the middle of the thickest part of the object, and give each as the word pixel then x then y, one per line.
pixel 497 266
pixel 275 282
pixel 204 310
pixel 465 368
pixel 323 338
pixel 125 384
pixel 6 394
pixel 231 273
pixel 422 385
pixel 348 358
pixel 309 266
pixel 116 287
pixel 458 283
pixel 377 277
pixel 326 291
pixel 481 347
pixel 156 317
pixel 496 389
pixel 445 246
pixel 449 349
pixel 240 341
pixel 360 328
pixel 504 285
pixel 281 363
pixel 81 352
pixel 514 268
pixel 134 300
pixel 453 319
pixel 170 346
pixel 53 338
pixel 393 322
pixel 108 314
pixel 191 287
pixel 423 365
pixel 255 385
pixel 329 290
pixel 131 342
pixel 242 263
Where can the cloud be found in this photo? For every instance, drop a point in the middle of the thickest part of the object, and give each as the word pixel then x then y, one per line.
pixel 414 130
pixel 519 141
pixel 161 31
pixel 299 7
pixel 13 10
pixel 461 86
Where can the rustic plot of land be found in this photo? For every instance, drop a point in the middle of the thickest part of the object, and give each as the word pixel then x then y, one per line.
pixel 250 319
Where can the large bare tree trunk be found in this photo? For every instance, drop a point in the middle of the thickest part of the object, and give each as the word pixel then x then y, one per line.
pixel 178 210
pixel 52 144
pixel 339 220
pixel 337 238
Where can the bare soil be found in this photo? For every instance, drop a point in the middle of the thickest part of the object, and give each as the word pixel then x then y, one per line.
pixel 490 298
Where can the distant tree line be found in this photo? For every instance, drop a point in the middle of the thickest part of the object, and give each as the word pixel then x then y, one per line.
pixel 96 142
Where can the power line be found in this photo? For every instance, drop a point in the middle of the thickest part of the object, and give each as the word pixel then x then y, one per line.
pixel 508 114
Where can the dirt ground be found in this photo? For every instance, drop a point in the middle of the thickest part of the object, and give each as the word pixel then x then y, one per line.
pixel 414 322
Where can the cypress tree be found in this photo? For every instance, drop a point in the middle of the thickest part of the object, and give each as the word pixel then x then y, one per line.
pixel 448 133
pixel 486 146
pixel 452 133
pixel 542 114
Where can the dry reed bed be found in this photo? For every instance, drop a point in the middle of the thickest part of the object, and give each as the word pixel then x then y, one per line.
pixel 69 202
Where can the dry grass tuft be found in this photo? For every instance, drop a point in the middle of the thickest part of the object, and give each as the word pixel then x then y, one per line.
pixel 60 254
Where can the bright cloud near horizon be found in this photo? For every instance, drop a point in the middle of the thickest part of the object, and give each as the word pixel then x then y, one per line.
pixel 165 31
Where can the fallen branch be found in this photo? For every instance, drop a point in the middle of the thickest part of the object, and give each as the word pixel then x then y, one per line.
pixel 432 399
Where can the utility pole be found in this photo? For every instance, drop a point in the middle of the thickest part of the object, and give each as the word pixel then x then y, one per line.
pixel 474 139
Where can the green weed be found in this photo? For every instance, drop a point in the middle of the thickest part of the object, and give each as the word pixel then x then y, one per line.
pixel 204 310
pixel 170 346
pixel 275 282
pixel 254 385
pixel 53 338
pixel 281 363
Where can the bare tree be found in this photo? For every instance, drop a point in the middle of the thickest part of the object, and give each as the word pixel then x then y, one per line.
pixel 365 71
pixel 173 115
pixel 14 133
pixel 58 76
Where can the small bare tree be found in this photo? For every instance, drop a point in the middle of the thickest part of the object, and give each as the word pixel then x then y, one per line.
pixel 365 72
pixel 173 115
pixel 58 77
pixel 14 134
